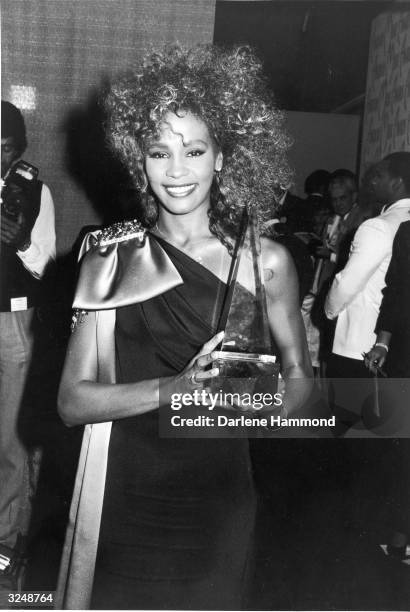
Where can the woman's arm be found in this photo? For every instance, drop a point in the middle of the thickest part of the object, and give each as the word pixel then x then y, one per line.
pixel 286 323
pixel 83 400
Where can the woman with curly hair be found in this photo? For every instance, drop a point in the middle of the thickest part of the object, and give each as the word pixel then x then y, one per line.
pixel 162 523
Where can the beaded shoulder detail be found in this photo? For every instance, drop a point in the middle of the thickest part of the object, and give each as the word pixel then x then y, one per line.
pixel 121 265
pixel 120 232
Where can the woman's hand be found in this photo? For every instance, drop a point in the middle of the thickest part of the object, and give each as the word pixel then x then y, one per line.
pixel 194 375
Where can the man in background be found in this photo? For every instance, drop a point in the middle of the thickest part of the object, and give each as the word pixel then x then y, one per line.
pixel 341 226
pixel 27 245
pixel 355 298
pixel 330 254
pixel 356 292
pixel 317 205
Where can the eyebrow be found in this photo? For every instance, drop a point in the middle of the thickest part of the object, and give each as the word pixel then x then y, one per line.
pixel 189 143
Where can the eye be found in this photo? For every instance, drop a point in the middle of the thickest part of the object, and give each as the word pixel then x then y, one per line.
pixel 195 153
pixel 157 155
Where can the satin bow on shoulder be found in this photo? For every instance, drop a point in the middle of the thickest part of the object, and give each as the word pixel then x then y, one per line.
pixel 122 272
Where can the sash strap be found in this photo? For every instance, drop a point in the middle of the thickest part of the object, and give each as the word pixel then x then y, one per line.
pixel 76 575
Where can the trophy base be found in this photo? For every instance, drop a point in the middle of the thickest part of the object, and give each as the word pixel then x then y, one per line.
pixel 245 373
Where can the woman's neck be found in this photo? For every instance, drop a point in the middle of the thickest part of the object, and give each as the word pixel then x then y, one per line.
pixel 184 230
pixel 190 234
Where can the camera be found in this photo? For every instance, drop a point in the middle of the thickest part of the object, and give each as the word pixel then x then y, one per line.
pixel 17 188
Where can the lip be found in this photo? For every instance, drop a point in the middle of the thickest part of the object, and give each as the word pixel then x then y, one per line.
pixel 180 191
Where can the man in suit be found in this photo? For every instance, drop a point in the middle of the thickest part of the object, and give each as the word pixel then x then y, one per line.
pixel 333 253
pixel 308 215
pixel 342 225
pixel 356 292
pixel 317 205
pixel 391 351
pixel 354 299
pixel 292 212
pixel 392 347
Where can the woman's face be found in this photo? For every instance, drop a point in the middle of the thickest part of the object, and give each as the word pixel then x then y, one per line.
pixel 181 163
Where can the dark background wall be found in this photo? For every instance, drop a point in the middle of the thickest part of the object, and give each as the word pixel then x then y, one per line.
pixel 321 140
pixel 319 56
pixel 55 56
pixel 316 52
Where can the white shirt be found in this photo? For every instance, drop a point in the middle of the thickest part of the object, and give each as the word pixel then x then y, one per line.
pixel 331 235
pixel 43 238
pixel 356 292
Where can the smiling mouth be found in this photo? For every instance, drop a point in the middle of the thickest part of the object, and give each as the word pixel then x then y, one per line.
pixel 179 191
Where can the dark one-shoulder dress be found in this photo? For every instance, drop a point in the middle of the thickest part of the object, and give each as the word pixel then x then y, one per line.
pixel 178 514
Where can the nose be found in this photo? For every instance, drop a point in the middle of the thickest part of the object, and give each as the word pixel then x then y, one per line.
pixel 176 167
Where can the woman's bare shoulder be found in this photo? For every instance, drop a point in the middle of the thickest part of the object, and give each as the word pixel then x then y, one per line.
pixel 275 257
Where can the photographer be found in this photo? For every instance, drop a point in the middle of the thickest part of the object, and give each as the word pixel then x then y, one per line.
pixel 27 245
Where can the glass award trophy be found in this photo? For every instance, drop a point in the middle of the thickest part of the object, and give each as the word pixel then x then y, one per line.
pixel 246 363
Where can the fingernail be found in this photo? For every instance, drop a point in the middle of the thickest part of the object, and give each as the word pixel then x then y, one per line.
pixel 215 371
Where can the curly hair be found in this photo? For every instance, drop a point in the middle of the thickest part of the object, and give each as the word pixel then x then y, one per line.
pixel 229 92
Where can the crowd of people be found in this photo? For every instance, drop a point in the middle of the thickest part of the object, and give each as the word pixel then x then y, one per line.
pixel 159 523
pixel 349 266
pixel 356 312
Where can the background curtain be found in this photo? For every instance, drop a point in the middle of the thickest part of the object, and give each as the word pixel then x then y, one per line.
pixel 56 54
